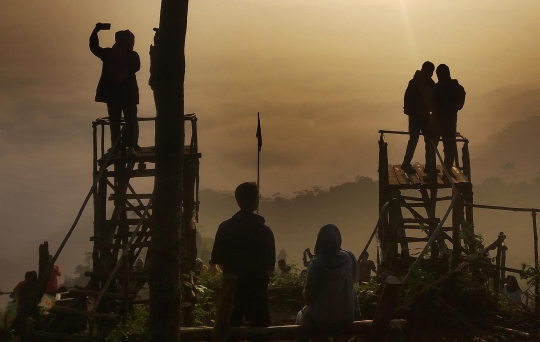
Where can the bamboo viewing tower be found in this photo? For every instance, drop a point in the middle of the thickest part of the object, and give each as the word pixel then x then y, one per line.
pixel 412 214
pixel 122 233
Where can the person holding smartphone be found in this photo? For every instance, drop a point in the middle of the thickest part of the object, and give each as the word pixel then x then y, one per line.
pixel 117 86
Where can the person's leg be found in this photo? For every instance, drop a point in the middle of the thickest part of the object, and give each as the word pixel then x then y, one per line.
pixel 131 130
pixel 237 313
pixel 257 310
pixel 115 114
pixel 449 143
pixel 414 134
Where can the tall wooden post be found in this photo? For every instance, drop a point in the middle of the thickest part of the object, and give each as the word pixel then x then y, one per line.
pixel 385 309
pixel 168 86
pixel 457 219
pixel 497 277
pixel 536 285
pixel 504 248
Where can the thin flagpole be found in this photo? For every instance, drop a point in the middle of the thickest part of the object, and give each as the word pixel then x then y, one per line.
pixel 259 145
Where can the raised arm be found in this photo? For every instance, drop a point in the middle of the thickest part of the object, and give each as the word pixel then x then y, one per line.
pixel 94 44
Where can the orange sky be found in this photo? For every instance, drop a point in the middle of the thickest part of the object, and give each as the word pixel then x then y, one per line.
pixel 325 75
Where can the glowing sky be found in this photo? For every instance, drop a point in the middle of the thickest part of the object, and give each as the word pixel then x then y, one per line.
pixel 325 76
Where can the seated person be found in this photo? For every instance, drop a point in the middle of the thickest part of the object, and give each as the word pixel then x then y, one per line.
pixel 213 269
pixel 307 254
pixel 329 293
pixel 283 267
pixel 512 289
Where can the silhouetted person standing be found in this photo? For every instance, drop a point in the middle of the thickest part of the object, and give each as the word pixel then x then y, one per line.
pixel 245 247
pixel 447 98
pixel 416 107
pixel 365 266
pixel 117 86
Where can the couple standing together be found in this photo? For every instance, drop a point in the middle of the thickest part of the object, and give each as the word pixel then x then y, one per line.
pixel 443 100
pixel 244 246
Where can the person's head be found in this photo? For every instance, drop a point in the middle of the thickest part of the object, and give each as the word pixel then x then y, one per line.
pixel 364 255
pixel 428 68
pixel 30 276
pixel 247 196
pixel 512 284
pixel 443 72
pixel 125 38
pixel 198 264
pixel 328 240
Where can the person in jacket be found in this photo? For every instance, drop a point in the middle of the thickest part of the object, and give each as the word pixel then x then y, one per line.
pixel 446 99
pixel 415 106
pixel 26 295
pixel 329 293
pixel 52 283
pixel 117 86
pixel 244 246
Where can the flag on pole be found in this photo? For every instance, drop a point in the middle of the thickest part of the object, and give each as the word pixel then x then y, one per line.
pixel 259 134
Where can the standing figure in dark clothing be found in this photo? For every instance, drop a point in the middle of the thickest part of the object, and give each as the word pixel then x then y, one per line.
pixel 447 98
pixel 365 266
pixel 245 247
pixel 117 86
pixel 416 107
pixel 26 294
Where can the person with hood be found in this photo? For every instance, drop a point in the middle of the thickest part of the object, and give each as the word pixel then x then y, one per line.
pixel 415 106
pixel 446 99
pixel 117 86
pixel 512 289
pixel 244 246
pixel 329 293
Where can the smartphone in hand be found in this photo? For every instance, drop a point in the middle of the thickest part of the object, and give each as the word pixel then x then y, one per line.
pixel 103 26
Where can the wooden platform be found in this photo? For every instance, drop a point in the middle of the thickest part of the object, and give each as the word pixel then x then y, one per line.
pixel 145 155
pixel 399 178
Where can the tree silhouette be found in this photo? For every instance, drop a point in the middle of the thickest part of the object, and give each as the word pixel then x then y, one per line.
pixel 510 167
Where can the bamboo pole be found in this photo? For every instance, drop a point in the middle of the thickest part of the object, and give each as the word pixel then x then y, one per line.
pixel 496 277
pixel 536 285
pixel 385 309
pixel 502 270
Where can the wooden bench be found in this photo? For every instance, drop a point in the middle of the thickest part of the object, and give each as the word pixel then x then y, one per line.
pixel 284 332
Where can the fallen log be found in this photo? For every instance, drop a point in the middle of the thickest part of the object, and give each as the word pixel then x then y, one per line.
pixel 508 330
pixel 274 333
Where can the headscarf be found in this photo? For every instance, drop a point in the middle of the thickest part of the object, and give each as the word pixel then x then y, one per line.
pixel 328 240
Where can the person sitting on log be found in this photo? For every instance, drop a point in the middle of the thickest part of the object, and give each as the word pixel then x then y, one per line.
pixel 329 293
pixel 245 247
